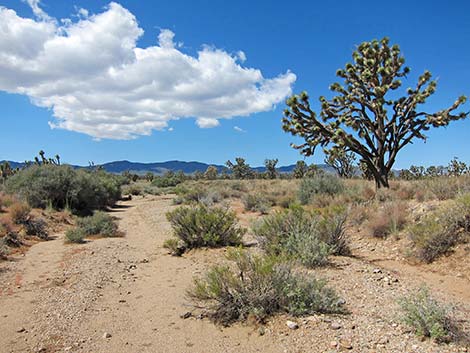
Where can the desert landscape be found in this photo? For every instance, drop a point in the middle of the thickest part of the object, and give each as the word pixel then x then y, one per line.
pixel 160 195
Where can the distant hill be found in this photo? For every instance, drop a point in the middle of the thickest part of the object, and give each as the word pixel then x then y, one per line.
pixel 161 167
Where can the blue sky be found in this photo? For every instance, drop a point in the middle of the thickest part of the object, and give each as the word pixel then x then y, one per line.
pixel 309 39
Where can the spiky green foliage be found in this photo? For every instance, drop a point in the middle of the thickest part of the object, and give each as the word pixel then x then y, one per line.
pixel 240 169
pixel 300 169
pixel 211 173
pixel 342 162
pixel 364 117
pixel 270 164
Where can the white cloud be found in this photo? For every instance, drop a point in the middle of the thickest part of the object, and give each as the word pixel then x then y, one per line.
pixel 239 129
pixel 91 74
pixel 38 12
pixel 207 123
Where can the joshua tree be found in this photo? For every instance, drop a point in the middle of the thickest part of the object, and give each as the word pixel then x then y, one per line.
pixel 342 162
pixel 149 176
pixel 270 164
pixel 456 167
pixel 211 173
pixel 240 170
pixel 365 117
pixel 300 169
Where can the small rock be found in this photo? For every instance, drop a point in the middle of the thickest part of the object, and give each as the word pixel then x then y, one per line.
pixel 261 331
pixel 377 270
pixel 345 344
pixel 292 325
pixel 69 348
pixel 21 329
pixel 186 315
pixel 106 335
pixel 335 326
pixel 333 344
pixel 144 261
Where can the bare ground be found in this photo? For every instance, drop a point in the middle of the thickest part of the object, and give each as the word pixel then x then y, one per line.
pixel 127 295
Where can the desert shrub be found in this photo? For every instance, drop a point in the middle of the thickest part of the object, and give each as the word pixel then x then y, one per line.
pixel 431 239
pixel 36 227
pixel 256 203
pixel 426 316
pixel 210 198
pixel 4 251
pixel 170 179
pixel 258 287
pixel 307 237
pixel 100 223
pixel 201 226
pixel 133 189
pixel 390 219
pixel 175 246
pixel 19 212
pixel 64 187
pixel 75 235
pixel 322 184
pixel 10 238
pixel 437 232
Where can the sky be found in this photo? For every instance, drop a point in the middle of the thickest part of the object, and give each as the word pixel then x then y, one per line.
pixel 206 81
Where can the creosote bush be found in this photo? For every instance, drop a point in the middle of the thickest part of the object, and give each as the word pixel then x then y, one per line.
pixel 19 212
pixel 257 287
pixel 100 223
pixel 322 184
pixel 390 219
pixel 304 236
pixel 256 203
pixel 61 186
pixel 426 316
pixel 75 235
pixel 202 226
pixel 437 232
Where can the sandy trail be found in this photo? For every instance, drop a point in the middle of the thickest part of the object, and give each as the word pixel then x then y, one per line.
pixel 71 295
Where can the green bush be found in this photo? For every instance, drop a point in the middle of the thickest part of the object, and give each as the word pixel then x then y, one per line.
pixel 426 316
pixel 307 237
pixel 437 232
pixel 64 187
pixel 258 287
pixel 75 235
pixel 170 179
pixel 201 226
pixel 322 184
pixel 100 223
pixel 256 203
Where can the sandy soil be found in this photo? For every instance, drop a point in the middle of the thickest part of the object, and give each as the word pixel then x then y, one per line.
pixel 128 295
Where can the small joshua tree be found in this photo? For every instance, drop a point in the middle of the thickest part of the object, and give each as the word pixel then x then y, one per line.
pixel 240 170
pixel 365 117
pixel 211 173
pixel 270 164
pixel 342 162
pixel 300 169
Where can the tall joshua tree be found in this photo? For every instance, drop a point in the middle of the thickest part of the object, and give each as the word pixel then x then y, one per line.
pixel 364 116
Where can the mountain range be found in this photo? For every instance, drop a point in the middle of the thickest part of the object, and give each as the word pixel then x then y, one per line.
pixel 162 167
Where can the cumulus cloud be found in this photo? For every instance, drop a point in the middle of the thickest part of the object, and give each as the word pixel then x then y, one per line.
pixel 95 79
